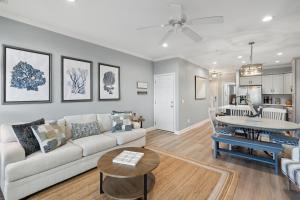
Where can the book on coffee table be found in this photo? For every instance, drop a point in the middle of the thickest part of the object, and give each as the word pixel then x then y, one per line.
pixel 128 158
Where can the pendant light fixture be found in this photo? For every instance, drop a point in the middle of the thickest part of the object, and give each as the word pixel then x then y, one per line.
pixel 251 69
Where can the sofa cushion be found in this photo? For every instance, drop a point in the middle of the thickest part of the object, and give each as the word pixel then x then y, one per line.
pixel 80 130
pixel 7 133
pixel 26 137
pixel 77 119
pixel 105 122
pixel 127 136
pixel 39 162
pixel 94 144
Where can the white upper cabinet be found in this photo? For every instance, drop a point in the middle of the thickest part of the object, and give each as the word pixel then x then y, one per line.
pixel 267 84
pixel 250 80
pixel 273 84
pixel 278 84
pixel 288 84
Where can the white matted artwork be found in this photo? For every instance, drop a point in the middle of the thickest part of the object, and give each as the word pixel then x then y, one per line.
pixel 27 76
pixel 200 87
pixel 109 82
pixel 76 80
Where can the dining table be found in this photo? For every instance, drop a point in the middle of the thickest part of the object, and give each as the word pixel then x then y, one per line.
pixel 258 123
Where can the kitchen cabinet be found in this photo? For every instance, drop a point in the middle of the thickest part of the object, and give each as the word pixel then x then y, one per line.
pixel 288 83
pixel 278 84
pixel 250 80
pixel 273 84
pixel 267 84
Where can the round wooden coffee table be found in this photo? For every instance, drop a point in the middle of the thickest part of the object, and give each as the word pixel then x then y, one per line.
pixel 127 182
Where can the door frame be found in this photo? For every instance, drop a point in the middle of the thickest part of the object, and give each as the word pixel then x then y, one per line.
pixel 175 101
pixel 223 92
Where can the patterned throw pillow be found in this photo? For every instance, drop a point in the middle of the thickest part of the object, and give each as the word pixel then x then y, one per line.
pixel 80 130
pixel 50 136
pixel 121 121
pixel 26 137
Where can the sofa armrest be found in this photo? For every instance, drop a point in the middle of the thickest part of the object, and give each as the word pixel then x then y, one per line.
pixel 296 154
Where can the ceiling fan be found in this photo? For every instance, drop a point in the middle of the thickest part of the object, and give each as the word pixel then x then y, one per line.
pixel 180 23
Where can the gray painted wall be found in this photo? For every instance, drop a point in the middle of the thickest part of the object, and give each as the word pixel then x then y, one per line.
pixel 296 63
pixel 191 111
pixel 133 69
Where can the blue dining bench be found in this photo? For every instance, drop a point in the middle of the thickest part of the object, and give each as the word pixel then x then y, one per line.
pixel 273 148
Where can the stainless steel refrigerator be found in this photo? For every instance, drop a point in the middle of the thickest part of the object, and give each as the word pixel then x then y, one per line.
pixel 253 93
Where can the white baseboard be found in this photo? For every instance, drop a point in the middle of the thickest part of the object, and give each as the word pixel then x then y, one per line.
pixel 201 123
pixel 152 128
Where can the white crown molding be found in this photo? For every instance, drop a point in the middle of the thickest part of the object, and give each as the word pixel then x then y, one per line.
pixel 58 30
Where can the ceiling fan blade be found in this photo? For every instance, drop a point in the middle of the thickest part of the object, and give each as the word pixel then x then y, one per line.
pixel 177 11
pixel 166 37
pixel 191 34
pixel 151 27
pixel 206 20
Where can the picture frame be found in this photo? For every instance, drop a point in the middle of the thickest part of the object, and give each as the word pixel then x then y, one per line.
pixel 27 76
pixel 200 87
pixel 76 79
pixel 142 85
pixel 109 86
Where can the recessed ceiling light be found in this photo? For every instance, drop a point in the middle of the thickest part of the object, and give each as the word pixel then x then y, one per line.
pixel 244 62
pixel 215 62
pixel 279 54
pixel 71 0
pixel 240 57
pixel 165 45
pixel 267 18
pixel 277 61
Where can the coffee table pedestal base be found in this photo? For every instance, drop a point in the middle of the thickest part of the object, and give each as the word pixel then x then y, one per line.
pixel 127 188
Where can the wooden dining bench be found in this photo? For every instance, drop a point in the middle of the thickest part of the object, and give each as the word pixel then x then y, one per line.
pixel 275 149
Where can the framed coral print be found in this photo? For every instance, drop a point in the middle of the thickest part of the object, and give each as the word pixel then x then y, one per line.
pixel 26 76
pixel 77 82
pixel 108 82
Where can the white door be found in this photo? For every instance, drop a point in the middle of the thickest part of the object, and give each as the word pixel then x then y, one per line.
pixel 278 84
pixel 164 102
pixel 267 84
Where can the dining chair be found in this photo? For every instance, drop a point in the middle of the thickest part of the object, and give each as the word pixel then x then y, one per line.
pixel 217 128
pixel 239 112
pixel 274 113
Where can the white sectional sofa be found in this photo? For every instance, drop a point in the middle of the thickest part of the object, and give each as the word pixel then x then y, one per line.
pixel 22 176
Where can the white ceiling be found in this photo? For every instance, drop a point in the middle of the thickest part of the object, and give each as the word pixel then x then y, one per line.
pixel 113 23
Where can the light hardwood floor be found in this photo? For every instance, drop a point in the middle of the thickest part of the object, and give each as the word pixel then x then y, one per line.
pixel 256 181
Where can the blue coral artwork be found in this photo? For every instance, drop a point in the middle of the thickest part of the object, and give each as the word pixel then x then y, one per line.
pixel 109 82
pixel 27 76
pixel 77 79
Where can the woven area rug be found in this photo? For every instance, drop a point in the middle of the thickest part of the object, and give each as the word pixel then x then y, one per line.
pixel 176 178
